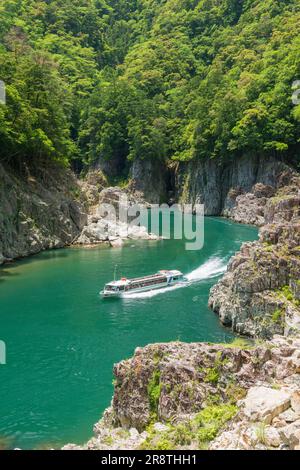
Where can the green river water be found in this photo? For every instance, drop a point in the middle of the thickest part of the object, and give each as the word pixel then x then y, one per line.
pixel 62 339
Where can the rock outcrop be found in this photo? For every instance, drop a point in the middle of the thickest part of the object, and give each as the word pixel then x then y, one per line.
pixel 200 395
pixel 217 184
pixel 149 178
pixel 38 211
pixel 111 221
pixel 92 185
pixel 259 294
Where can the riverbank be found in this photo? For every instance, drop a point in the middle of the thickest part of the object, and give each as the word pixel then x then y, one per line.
pixel 204 396
pixel 50 208
pixel 258 297
pixel 191 396
pixel 64 339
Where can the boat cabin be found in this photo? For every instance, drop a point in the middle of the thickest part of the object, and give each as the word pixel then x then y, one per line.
pixel 154 281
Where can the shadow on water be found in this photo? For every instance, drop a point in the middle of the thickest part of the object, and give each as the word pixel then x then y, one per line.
pixel 6 443
pixel 48 446
pixel 63 339
pixel 6 269
pixel 5 273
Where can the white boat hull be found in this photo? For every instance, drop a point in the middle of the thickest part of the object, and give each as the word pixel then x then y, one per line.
pixel 127 293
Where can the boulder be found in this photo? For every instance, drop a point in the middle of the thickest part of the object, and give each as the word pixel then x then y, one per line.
pixel 263 404
pixel 290 434
pixel 288 416
pixel 272 437
pixel 295 402
pixel 116 243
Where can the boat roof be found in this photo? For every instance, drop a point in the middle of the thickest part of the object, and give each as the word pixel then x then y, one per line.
pixel 163 273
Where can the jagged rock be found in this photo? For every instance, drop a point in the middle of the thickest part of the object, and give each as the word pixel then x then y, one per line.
pixel 179 376
pixel 39 211
pixel 288 416
pixel 92 185
pixel 263 190
pixel 295 402
pixel 248 297
pixel 110 220
pixel 160 427
pixel 263 404
pixel 217 185
pixel 290 434
pixel 272 437
pixel 116 243
pixel 149 178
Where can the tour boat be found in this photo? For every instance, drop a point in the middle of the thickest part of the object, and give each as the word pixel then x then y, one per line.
pixel 126 286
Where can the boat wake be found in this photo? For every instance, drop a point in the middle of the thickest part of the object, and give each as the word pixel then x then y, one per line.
pixel 213 267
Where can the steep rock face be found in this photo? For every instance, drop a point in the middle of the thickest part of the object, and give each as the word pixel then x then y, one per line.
pixel 259 294
pixel 38 212
pixel 149 178
pixel 199 395
pixel 213 183
pixel 188 377
pixel 92 185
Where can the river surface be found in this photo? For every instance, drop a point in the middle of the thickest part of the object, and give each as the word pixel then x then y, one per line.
pixel 62 339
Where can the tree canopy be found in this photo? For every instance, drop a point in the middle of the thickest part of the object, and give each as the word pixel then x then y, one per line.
pixel 120 80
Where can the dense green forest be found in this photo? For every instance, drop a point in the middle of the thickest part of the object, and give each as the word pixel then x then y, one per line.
pixel 166 79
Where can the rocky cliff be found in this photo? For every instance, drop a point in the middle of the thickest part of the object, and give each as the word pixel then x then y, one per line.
pixel 38 211
pixel 199 396
pixel 150 178
pixel 211 182
pixel 260 293
pixel 230 396
pixel 217 184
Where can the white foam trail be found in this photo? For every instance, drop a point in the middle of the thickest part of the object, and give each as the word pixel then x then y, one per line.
pixel 212 268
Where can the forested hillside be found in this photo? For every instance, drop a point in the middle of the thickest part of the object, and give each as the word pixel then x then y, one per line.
pixel 119 80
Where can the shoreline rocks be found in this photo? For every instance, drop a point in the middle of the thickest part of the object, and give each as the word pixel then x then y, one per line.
pixel 105 223
pixel 39 211
pixel 259 294
pixel 182 396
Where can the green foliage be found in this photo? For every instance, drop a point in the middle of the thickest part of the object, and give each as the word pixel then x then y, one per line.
pixel 240 343
pixel 212 375
pixel 110 80
pixel 286 294
pixel 235 392
pixel 278 316
pixel 212 419
pixel 260 433
pixel 198 431
pixel 157 441
pixel 154 389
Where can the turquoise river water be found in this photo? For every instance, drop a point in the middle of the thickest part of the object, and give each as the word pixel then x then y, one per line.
pixel 62 339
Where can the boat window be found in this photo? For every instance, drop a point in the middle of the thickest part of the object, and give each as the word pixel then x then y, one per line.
pixel 111 288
